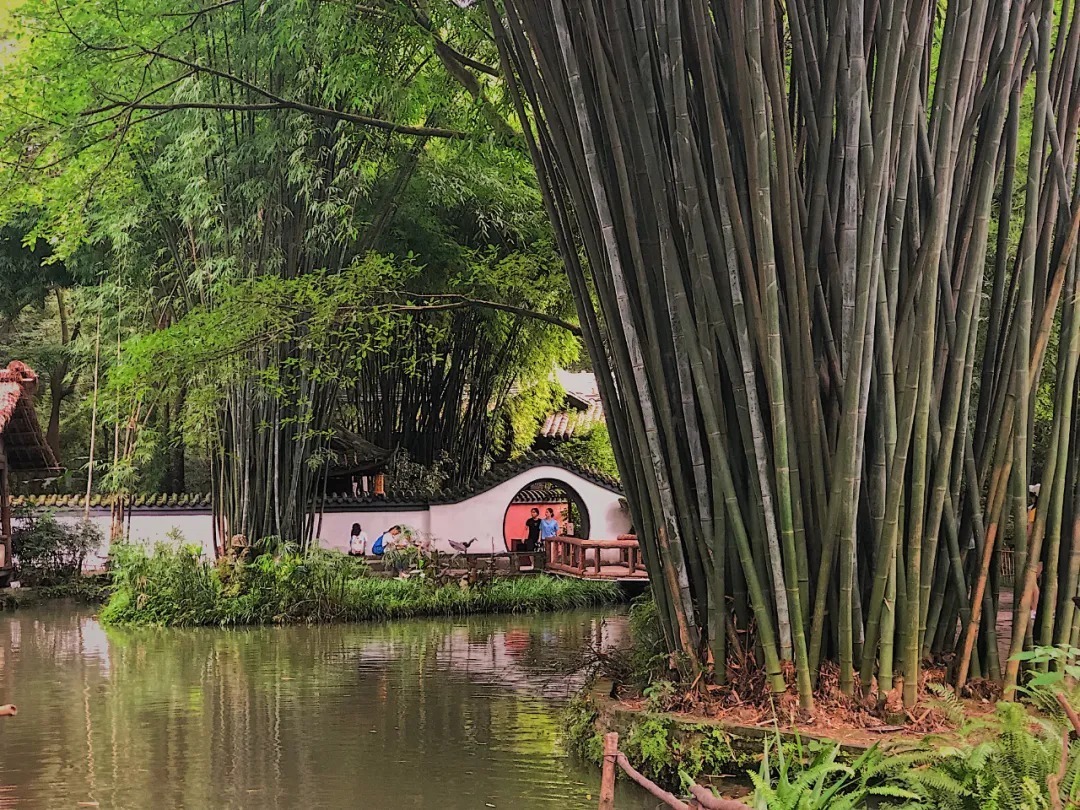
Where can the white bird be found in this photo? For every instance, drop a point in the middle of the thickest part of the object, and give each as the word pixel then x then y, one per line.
pixel 459 547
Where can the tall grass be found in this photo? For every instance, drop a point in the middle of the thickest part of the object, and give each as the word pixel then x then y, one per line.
pixel 177 587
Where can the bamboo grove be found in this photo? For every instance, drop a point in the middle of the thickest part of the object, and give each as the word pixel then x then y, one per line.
pixel 829 281
pixel 433 394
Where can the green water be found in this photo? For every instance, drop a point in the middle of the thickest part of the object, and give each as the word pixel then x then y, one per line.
pixel 419 714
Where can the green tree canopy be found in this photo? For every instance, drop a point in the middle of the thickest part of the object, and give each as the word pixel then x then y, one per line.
pixel 213 149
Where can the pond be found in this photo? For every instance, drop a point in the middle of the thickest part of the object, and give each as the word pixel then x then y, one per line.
pixel 414 714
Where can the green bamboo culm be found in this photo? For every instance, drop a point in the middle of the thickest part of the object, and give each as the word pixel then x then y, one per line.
pixel 789 231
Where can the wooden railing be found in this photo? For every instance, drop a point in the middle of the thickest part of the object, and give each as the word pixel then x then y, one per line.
pixel 702 798
pixel 584 558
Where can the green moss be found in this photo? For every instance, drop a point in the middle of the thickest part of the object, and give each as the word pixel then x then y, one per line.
pixel 650 747
pixel 711 752
pixel 579 727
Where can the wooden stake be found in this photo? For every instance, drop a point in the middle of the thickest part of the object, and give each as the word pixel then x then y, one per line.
pixel 607 776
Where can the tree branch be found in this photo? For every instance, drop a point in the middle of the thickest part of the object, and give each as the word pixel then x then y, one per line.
pixel 278 102
pixel 455 64
pixel 425 22
pixel 439 302
pixel 201 11
pixel 454 301
pixel 389 126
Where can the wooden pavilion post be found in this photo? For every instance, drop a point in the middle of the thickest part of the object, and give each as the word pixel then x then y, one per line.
pixel 5 514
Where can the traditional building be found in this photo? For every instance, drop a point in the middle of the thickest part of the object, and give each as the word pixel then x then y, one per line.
pixel 582 410
pixel 23 449
pixel 355 465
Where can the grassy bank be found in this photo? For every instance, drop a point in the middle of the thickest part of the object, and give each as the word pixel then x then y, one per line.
pixel 179 588
pixel 89 590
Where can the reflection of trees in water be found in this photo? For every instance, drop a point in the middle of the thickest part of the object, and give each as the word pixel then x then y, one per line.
pixel 547 659
pixel 60 701
pixel 207 718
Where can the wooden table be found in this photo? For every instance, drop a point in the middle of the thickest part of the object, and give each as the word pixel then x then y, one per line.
pixel 582 558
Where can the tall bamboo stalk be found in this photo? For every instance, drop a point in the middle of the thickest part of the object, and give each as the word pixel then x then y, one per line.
pixel 796 203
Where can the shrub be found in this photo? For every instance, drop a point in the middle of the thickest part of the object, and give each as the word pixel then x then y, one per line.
pixel 592 449
pixel 409 475
pixel 649 654
pixel 179 587
pixel 1011 760
pixel 48 552
pixel 674 756
pixel 644 662
pixel 169 586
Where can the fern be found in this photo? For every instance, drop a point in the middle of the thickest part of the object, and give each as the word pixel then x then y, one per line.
pixel 944 700
pixel 1011 771
pixel 825 781
pixel 1003 762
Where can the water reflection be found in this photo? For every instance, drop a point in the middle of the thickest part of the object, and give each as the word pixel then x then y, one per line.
pixel 425 714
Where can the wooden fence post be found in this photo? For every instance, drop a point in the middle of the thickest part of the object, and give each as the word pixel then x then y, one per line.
pixel 701 799
pixel 607 775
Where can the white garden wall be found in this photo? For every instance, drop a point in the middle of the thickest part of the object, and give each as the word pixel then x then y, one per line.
pixel 479 515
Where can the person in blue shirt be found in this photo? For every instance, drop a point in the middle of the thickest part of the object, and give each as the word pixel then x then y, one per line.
pixel 549 526
pixel 385 540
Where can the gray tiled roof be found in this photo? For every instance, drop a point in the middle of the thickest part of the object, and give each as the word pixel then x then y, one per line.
pixel 399 498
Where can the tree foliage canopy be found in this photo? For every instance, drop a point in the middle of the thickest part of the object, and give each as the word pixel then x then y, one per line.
pixel 279 193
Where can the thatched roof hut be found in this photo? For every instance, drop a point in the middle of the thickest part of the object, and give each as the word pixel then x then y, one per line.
pixel 23 448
